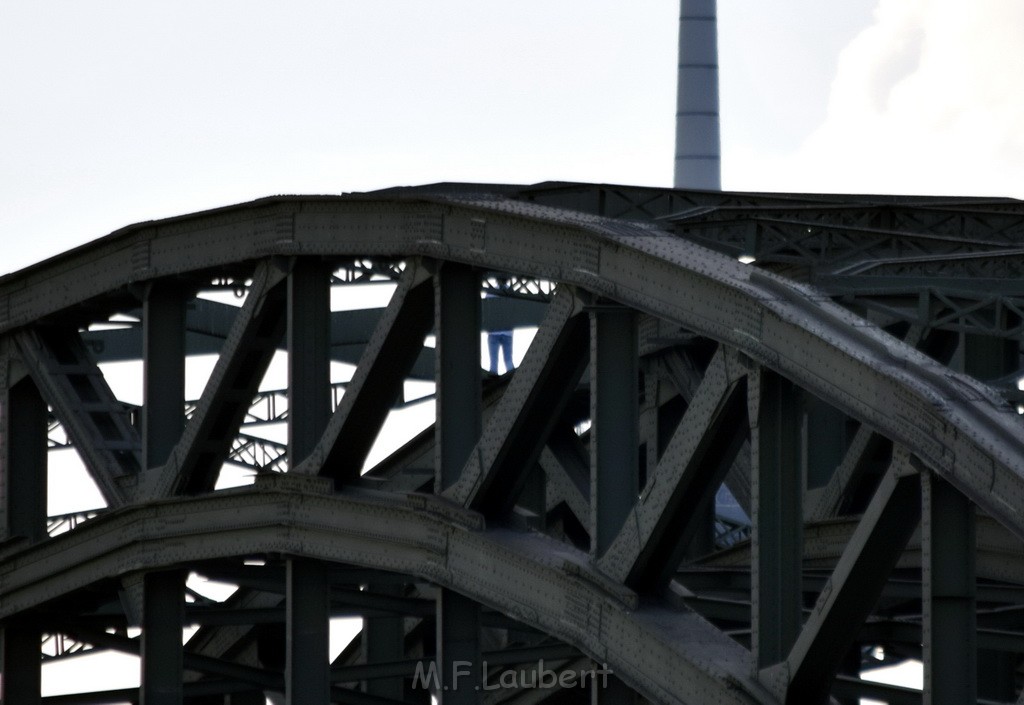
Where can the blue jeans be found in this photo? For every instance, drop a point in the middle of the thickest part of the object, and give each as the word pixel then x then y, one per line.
pixel 500 339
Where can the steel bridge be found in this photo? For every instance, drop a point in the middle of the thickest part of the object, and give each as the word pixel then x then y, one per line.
pixel 760 444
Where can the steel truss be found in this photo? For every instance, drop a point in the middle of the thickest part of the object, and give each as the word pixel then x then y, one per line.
pixel 557 523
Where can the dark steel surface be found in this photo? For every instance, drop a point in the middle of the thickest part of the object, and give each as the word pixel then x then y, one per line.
pixel 553 513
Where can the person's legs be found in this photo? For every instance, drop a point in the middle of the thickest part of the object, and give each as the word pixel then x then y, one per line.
pixel 506 348
pixel 493 341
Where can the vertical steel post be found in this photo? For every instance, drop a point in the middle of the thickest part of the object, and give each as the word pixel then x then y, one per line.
pixel 948 577
pixel 163 388
pixel 307 647
pixel 458 649
pixel 307 666
pixel 22 665
pixel 309 375
pixel 825 440
pixel 989 358
pixel 614 415
pixel 25 419
pixel 23 415
pixel 457 321
pixel 163 613
pixel 384 642
pixel 698 144
pixel 777 491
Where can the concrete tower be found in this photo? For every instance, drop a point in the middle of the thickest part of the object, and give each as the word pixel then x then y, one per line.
pixel 698 142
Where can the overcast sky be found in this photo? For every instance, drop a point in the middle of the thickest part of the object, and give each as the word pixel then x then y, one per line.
pixel 118 111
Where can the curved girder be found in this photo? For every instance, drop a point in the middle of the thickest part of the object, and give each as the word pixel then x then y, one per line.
pixel 530 577
pixel 956 427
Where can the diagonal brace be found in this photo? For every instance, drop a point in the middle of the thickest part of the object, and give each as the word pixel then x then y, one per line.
pixel 97 423
pixel 866 443
pixel 856 583
pixel 698 455
pixel 686 378
pixel 194 463
pixel 385 363
pixel 520 425
pixel 564 463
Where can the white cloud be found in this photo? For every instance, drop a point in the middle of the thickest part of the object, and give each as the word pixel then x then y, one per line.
pixel 923 101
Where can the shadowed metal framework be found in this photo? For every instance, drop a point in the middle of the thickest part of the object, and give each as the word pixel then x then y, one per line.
pixel 759 445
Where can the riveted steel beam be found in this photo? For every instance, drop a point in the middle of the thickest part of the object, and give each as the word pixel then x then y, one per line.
pixel 949 620
pixel 439 543
pixel 777 516
pixel 24 462
pixel 957 427
pixel 700 452
pixel 21 674
pixel 520 424
pixel 196 459
pixel 614 412
pixel 384 642
pixel 568 480
pixel 163 359
pixel 309 377
pixel 307 667
pixel 163 612
pixel 867 450
pixel 683 373
pixel 393 348
pixel 458 649
pixel 855 585
pixel 96 422
pixel 457 315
